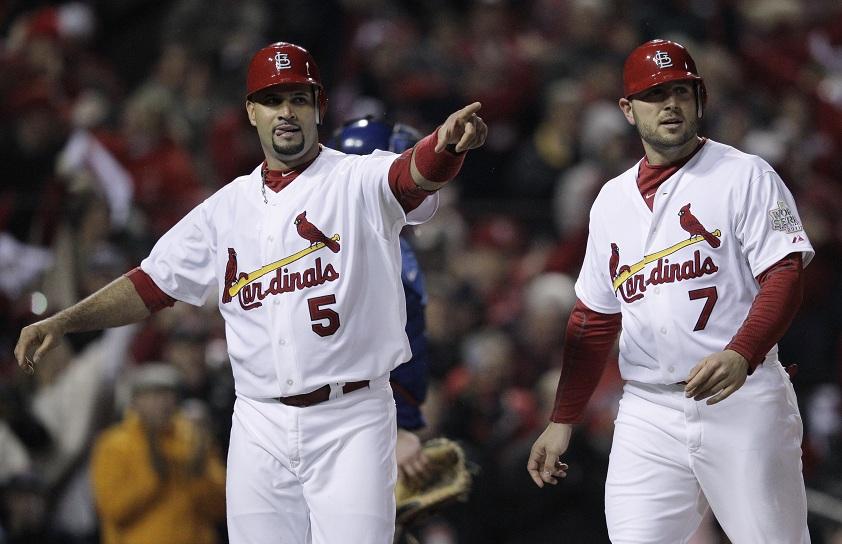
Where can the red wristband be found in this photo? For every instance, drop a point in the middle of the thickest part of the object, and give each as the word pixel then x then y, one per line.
pixel 436 167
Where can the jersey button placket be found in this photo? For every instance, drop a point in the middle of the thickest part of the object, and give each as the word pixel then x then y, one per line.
pixel 272 251
pixel 659 314
pixel 288 363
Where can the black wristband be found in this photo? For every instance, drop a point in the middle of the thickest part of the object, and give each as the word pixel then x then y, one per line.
pixel 452 149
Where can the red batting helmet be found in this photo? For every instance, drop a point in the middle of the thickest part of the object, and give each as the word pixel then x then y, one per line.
pixel 285 63
pixel 661 61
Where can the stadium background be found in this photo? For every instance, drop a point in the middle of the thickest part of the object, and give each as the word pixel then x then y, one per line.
pixel 116 117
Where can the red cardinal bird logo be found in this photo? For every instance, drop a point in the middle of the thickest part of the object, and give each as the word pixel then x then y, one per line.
pixel 614 260
pixel 694 227
pixel 311 232
pixel 230 275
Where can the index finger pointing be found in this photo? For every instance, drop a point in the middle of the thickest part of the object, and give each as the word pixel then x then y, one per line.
pixel 466 112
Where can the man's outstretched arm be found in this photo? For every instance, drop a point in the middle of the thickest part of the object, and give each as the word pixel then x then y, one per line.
pixel 116 304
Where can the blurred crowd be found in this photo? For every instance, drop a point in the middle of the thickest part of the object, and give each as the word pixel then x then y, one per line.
pixel 117 117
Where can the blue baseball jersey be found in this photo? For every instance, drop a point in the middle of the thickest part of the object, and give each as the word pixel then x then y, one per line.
pixel 409 380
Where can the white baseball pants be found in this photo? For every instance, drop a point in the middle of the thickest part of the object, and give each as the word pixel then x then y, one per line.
pixel 672 457
pixel 322 474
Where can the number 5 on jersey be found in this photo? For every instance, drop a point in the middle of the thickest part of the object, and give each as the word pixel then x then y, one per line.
pixel 319 314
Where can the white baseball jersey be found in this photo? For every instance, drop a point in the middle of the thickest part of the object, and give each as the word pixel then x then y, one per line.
pixel 312 276
pixel 683 274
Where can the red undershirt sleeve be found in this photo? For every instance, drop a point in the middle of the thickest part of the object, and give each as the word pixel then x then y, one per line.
pixel 589 339
pixel 151 294
pixel 773 309
pixel 435 167
pixel 403 187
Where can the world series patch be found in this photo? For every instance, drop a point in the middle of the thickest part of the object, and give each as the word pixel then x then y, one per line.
pixel 783 219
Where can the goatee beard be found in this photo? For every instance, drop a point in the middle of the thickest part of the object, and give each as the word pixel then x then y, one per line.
pixel 288 150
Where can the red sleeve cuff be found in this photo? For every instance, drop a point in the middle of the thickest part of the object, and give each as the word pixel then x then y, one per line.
pixel 403 186
pixel 151 294
pixel 436 167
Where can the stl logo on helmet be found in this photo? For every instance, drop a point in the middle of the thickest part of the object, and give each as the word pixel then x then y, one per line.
pixel 662 59
pixel 282 61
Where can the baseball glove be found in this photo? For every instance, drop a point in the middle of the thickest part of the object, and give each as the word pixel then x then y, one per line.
pixel 449 480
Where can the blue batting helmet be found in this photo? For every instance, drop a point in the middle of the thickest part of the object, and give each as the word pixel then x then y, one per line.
pixel 362 136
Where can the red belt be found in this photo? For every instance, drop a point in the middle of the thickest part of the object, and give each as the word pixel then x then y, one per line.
pixel 319 395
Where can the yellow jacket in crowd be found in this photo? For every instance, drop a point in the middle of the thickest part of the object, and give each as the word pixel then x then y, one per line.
pixel 137 506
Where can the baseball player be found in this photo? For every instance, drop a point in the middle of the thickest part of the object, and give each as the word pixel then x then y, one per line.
pixel 409 381
pixel 304 253
pixel 696 253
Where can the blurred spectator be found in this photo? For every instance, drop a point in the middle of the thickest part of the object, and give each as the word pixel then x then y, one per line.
pixel 30 146
pixel 209 383
pixel 574 509
pixel 552 148
pixel 156 475
pixel 81 250
pixel 14 458
pixel 231 145
pixel 539 331
pixel 454 310
pixel 488 409
pixel 85 164
pixel 72 399
pixel 21 265
pixel 166 184
pixel 23 511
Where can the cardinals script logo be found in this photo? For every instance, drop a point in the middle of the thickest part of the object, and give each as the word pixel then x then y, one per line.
pixel 631 285
pixel 250 292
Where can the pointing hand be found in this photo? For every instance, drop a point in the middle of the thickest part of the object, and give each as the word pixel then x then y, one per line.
pixel 464 129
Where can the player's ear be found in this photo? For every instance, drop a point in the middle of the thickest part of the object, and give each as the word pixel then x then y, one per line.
pixel 626 108
pixel 250 112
